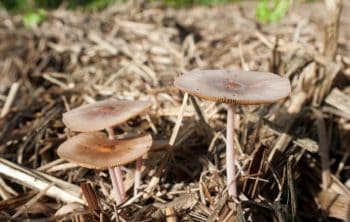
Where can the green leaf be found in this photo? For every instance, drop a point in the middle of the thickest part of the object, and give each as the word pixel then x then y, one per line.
pixel 96 5
pixel 279 11
pixel 271 11
pixel 262 11
pixel 31 19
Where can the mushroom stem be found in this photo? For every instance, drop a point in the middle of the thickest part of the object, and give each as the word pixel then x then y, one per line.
pixel 230 154
pixel 119 176
pixel 117 172
pixel 137 175
pixel 110 132
pixel 117 196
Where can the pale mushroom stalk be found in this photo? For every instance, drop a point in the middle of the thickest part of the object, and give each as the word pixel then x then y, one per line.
pixel 116 171
pixel 137 181
pixel 116 191
pixel 119 175
pixel 230 154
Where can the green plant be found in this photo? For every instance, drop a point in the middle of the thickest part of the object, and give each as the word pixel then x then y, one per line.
pixel 268 11
pixel 34 11
pixel 23 6
pixel 31 19
pixel 100 4
pixel 183 3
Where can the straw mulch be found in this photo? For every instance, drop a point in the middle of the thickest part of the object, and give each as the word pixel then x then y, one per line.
pixel 134 51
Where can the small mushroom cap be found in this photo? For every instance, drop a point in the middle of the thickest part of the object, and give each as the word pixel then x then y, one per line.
pixel 94 150
pixel 235 87
pixel 103 114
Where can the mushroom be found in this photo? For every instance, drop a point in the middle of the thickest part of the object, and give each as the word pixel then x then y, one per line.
pixel 104 115
pixel 95 150
pixel 234 87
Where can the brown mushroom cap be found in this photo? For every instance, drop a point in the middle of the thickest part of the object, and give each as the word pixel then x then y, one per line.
pixel 103 114
pixel 94 150
pixel 235 87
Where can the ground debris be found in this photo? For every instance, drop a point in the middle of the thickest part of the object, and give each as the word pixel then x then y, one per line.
pixel 135 50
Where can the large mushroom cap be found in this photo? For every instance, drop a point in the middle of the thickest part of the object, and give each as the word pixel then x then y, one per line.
pixel 94 150
pixel 103 114
pixel 237 87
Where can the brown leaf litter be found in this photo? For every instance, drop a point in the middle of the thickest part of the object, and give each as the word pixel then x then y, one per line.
pixel 134 51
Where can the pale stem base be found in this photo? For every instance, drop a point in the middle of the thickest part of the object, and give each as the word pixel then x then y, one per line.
pixel 116 170
pixel 230 154
pixel 137 181
pixel 119 176
pixel 116 190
